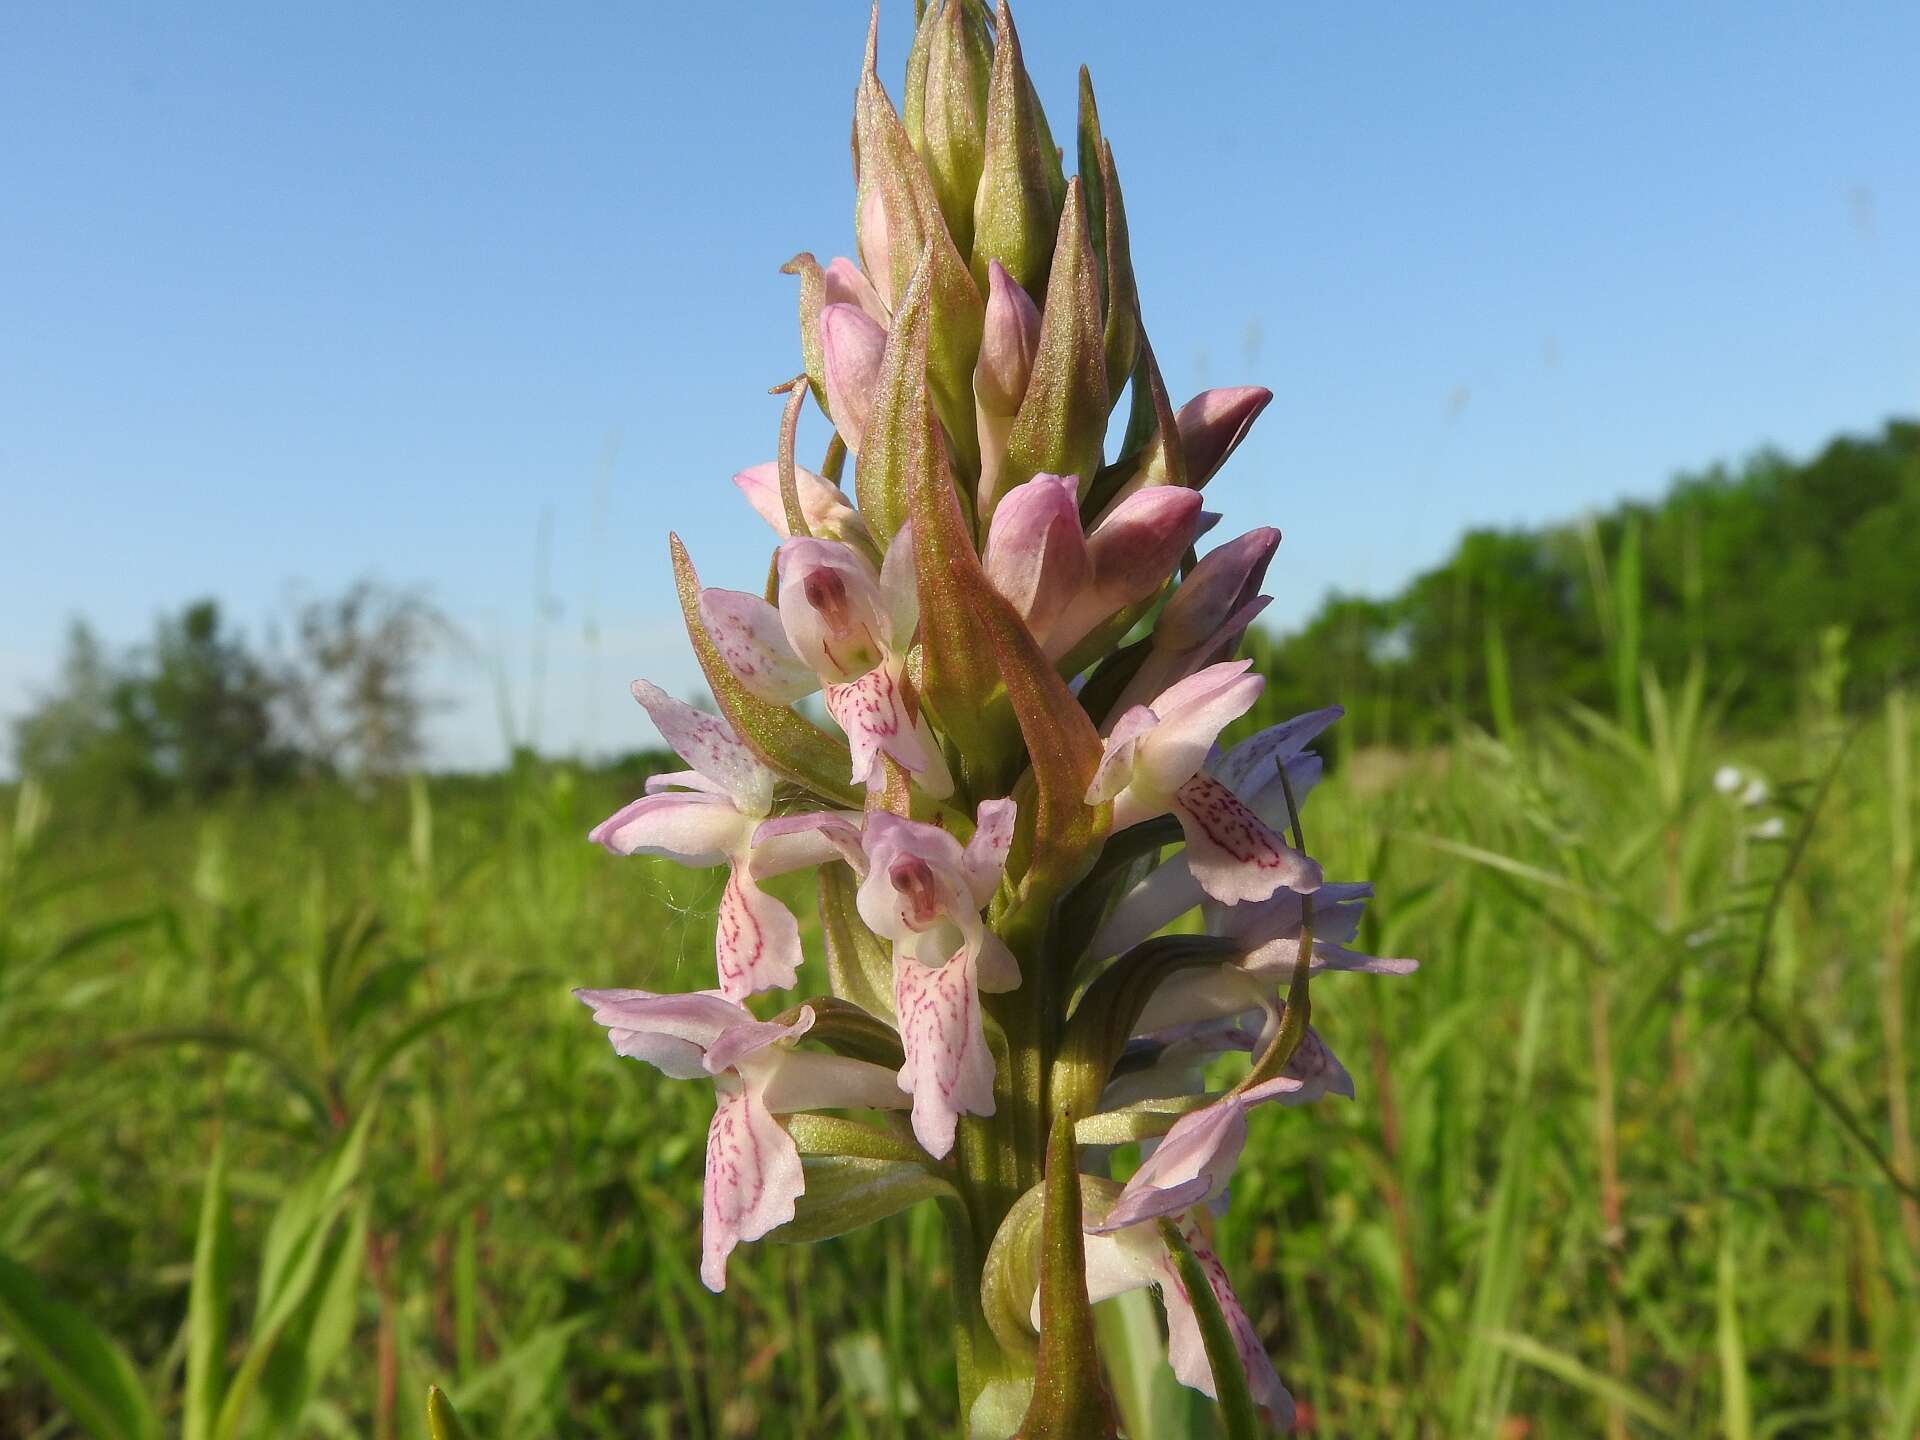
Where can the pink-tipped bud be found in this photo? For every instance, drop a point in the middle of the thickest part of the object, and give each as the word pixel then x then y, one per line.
pixel 1224 582
pixel 1036 555
pixel 843 283
pixel 1213 424
pixel 851 344
pixel 1140 541
pixel 1008 345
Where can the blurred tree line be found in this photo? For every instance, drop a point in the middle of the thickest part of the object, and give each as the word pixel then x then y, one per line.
pixel 197 710
pixel 1796 586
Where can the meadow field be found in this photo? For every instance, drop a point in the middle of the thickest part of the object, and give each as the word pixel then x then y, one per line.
pixel 297 1116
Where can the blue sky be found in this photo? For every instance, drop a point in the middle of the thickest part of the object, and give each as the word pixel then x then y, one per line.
pixel 294 295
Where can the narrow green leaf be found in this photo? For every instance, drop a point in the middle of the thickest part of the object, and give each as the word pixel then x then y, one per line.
pixel 317 1334
pixel 952 136
pixel 1238 1416
pixel 83 1366
pixel 1121 298
pixel 209 1298
pixel 1070 1400
pixel 1572 1372
pixel 962 681
pixel 1736 1410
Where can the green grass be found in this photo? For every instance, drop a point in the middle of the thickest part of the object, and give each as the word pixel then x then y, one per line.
pixel 1585 1189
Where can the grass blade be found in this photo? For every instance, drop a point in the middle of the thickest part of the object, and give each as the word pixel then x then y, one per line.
pixel 209 1299
pixel 81 1364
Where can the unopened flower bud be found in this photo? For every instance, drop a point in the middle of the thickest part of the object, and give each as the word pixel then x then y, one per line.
pixel 1036 555
pixel 852 345
pixel 846 284
pixel 1213 424
pixel 1221 584
pixel 1140 540
pixel 1016 208
pixel 1007 346
pixel 952 134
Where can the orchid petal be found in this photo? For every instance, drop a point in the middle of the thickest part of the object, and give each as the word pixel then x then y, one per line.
pixel 794 842
pixel 825 506
pixel 1036 555
pixel 1009 341
pixel 756 939
pixel 917 891
pixel 667 781
pixel 1258 755
pixel 985 856
pixel 793 1080
pixel 692 827
pixel 1191 716
pixel 831 608
pixel 873 713
pixel 706 742
pixel 846 285
pixel 1212 425
pixel 851 345
pixel 900 591
pixel 741 1044
pixel 1187 1350
pixel 747 632
pixel 1231 851
pixel 1117 757
pixel 753 1178
pixel 694 1020
pixel 1168 892
pixel 949 1070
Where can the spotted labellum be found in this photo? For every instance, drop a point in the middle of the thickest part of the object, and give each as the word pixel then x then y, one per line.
pixel 1068 933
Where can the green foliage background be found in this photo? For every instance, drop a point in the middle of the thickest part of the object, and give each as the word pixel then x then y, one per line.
pixel 297 1115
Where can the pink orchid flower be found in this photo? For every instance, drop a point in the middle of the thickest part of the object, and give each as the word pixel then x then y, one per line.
pixel 1252 771
pixel 1194 1161
pixel 843 627
pixel 707 816
pixel 924 891
pixel 1153 764
pixel 754 1174
pixel 1063 580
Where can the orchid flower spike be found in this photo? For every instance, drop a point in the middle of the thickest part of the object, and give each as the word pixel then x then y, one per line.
pixel 707 816
pixel 991 796
pixel 753 1167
